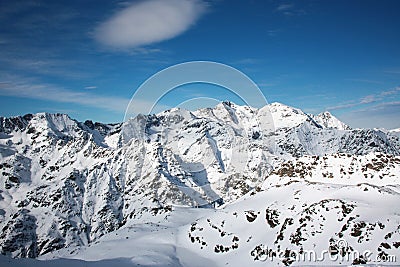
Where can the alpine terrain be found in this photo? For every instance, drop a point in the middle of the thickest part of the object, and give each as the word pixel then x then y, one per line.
pixel 230 185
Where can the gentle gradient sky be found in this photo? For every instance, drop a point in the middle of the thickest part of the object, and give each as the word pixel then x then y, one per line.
pixel 87 58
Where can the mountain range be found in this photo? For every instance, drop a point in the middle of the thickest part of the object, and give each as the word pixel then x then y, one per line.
pixel 229 185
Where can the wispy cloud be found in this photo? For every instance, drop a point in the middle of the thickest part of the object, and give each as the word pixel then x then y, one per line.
pixel 36 35
pixel 382 115
pixel 368 99
pixel 246 61
pixel 149 22
pixel 90 87
pixel 391 92
pixel 45 65
pixel 10 8
pixel 289 9
pixel 18 87
pixel 285 7
pixel 343 106
pixel 394 71
pixel 273 33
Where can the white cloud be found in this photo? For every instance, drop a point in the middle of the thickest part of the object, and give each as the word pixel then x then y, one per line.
pixel 149 22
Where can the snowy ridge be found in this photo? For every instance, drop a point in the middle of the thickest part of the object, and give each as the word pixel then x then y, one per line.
pixel 67 185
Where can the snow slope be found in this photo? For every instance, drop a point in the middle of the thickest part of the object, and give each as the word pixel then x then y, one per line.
pixel 298 216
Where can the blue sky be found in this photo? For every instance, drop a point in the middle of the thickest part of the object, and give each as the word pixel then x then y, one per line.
pixel 87 58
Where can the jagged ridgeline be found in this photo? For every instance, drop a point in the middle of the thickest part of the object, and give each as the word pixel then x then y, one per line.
pixel 66 183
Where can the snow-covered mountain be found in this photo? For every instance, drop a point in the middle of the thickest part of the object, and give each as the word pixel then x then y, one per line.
pixel 73 189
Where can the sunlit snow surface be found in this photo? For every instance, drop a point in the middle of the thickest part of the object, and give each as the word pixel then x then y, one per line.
pixel 166 242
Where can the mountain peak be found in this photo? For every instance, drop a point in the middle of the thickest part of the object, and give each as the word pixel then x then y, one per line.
pixel 327 120
pixel 326 114
pixel 285 116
